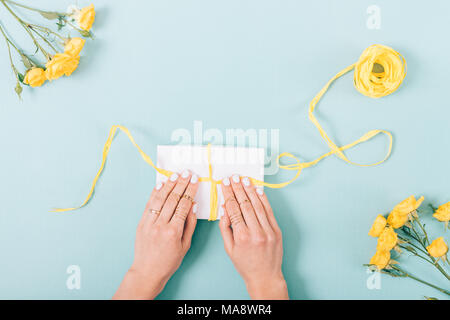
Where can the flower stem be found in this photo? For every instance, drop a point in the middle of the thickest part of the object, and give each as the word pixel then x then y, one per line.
pixel 416 254
pixel 44 39
pixel 18 87
pixel 47 30
pixel 31 8
pixel 435 263
pixel 412 244
pixel 423 229
pixel 438 266
pixel 408 275
pixel 26 27
pixel 9 44
pixel 8 40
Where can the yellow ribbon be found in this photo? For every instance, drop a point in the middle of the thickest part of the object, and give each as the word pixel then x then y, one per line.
pixel 379 71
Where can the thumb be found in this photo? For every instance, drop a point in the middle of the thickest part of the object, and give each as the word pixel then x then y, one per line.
pixel 189 227
pixel 226 231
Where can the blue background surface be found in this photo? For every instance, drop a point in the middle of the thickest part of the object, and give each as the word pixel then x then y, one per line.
pixel 156 66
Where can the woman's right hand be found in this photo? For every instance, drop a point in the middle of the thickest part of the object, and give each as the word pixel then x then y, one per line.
pixel 253 239
pixel 163 237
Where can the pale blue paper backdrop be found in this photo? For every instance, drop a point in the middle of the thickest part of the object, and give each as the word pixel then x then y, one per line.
pixel 156 66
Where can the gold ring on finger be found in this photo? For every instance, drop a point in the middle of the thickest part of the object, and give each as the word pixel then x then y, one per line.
pixel 243 202
pixel 235 221
pixel 157 212
pixel 178 197
pixel 178 210
pixel 186 196
pixel 230 199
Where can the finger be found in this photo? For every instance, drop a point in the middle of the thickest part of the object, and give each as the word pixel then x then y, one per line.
pixel 257 205
pixel 244 203
pixel 149 215
pixel 174 197
pixel 159 196
pixel 232 206
pixel 186 202
pixel 270 215
pixel 226 231
pixel 189 227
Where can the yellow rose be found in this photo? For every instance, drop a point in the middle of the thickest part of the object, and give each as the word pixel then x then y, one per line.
pixel 74 46
pixel 387 240
pixel 399 215
pixel 35 77
pixel 378 226
pixel 408 205
pixel 381 259
pixel 86 17
pixel 62 63
pixel 443 213
pixel 438 248
pixel 396 219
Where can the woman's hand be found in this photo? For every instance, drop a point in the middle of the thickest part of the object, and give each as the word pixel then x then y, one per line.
pixel 163 237
pixel 253 239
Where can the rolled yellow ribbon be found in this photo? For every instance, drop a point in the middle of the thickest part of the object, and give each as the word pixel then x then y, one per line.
pixel 379 71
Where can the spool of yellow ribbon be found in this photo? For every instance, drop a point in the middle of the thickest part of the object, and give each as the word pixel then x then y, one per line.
pixel 379 71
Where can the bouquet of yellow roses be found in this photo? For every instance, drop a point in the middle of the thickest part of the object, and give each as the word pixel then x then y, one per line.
pixel 403 230
pixel 61 53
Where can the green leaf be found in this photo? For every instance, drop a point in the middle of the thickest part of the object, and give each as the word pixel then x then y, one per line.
pixel 26 61
pixel 18 89
pixel 61 23
pixel 20 76
pixel 50 15
pixel 86 34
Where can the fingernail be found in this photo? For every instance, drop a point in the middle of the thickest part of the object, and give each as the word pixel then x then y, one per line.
pixel 236 178
pixel 194 178
pixel 174 177
pixel 185 174
pixel 260 191
pixel 226 182
pixel 246 181
pixel 195 208
pixel 159 185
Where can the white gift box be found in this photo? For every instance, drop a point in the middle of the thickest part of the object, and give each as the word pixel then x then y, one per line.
pixel 225 161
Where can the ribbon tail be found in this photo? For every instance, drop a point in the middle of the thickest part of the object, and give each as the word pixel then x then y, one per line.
pixel 106 149
pixel 105 153
pixel 213 202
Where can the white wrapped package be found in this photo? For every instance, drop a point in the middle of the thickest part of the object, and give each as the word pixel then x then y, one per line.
pixel 225 161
